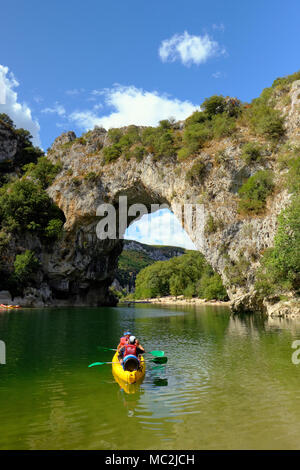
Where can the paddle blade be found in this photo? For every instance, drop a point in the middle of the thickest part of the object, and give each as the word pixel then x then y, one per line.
pixel 102 348
pixel 157 353
pixel 97 364
pixel 160 360
pixel 158 382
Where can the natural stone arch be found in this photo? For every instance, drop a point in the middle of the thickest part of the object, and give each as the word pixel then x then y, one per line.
pixel 83 266
pixel 223 241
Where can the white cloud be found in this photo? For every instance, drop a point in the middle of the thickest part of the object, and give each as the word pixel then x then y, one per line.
pixel 20 113
pixel 98 106
pixel 160 228
pixel 98 92
pixel 133 106
pixel 85 119
pixel 189 49
pixel 57 109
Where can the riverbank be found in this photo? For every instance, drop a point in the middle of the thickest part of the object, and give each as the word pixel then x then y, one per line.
pixel 180 300
pixel 286 309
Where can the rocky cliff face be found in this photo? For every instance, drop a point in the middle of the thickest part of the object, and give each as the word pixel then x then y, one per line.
pixel 85 182
pixel 155 253
pixel 75 270
pixel 8 143
pixel 80 267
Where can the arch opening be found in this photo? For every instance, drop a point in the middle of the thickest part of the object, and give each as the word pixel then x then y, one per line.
pixel 159 228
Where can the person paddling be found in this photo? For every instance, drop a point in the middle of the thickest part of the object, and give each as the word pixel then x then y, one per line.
pixel 123 340
pixel 132 348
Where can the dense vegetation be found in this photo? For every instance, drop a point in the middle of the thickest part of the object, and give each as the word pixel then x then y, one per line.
pixel 251 152
pixel 257 128
pixel 129 265
pixel 217 117
pixel 132 261
pixel 280 266
pixel 42 172
pixel 253 193
pixel 187 275
pixel 26 265
pixel 25 207
pixel 167 140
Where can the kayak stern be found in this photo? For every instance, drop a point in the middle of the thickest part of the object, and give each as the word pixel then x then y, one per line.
pixel 126 376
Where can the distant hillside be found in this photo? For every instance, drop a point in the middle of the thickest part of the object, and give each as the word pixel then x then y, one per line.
pixel 136 256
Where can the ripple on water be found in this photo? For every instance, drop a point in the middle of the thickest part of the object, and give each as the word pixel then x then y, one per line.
pixel 229 380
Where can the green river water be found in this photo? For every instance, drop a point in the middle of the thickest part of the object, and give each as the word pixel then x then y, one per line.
pixel 229 383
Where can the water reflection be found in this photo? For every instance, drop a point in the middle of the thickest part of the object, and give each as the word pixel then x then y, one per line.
pixel 159 382
pixel 229 379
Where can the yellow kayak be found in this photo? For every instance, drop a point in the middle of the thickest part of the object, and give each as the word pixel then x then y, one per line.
pixel 128 388
pixel 129 377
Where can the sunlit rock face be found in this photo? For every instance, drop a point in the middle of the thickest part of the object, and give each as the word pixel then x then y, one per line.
pixel 85 182
pixel 81 267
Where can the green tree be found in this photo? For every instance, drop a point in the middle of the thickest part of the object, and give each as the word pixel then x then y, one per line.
pixel 280 265
pixel 54 229
pixel 112 153
pixel 44 171
pixel 195 135
pixel 5 118
pixel 178 276
pixel 216 104
pixel 254 192
pixel 265 120
pixel 251 152
pixel 189 291
pixel 211 287
pixel 195 174
pixel 177 284
pixel 24 205
pixel 25 266
pixel 293 177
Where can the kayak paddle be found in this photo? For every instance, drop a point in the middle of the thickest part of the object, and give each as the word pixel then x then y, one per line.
pixel 102 348
pixel 101 363
pixel 157 359
pixel 157 353
pixel 160 360
pixel 154 353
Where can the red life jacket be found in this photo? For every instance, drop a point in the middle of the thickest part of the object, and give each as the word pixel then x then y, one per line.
pixel 130 349
pixel 123 341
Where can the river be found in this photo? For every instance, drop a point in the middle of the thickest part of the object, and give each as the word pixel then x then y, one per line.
pixel 229 383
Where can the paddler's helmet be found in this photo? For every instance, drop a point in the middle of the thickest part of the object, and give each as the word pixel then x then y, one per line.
pixel 132 339
pixel 127 333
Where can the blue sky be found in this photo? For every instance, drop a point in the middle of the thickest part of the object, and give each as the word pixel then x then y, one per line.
pixel 159 228
pixel 70 65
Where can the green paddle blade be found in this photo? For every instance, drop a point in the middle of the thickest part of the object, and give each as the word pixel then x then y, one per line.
pixel 102 348
pixel 160 360
pixel 158 382
pixel 97 364
pixel 157 367
pixel 157 353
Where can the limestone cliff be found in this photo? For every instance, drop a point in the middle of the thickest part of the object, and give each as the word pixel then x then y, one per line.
pixel 81 267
